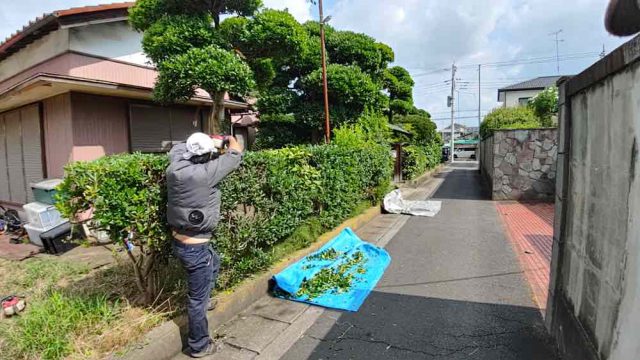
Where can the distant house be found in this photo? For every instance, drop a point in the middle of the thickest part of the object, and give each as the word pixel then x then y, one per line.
pixel 519 94
pixel 460 132
pixel 75 85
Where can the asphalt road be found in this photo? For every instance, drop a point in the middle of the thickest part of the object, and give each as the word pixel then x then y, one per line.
pixel 454 290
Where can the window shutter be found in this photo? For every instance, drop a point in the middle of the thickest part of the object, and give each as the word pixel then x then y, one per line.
pixel 150 128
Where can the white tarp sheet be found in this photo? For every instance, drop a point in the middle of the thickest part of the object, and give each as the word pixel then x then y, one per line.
pixel 395 204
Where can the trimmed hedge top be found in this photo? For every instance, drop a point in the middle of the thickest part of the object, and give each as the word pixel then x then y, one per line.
pixel 273 193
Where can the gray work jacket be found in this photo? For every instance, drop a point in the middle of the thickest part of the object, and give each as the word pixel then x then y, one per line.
pixel 193 204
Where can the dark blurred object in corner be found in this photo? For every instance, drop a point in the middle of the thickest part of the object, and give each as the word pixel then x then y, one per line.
pixel 623 17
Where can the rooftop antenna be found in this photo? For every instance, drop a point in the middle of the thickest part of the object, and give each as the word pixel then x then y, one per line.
pixel 558 41
pixel 603 53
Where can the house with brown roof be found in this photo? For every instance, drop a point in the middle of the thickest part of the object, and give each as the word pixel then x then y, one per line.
pixel 75 85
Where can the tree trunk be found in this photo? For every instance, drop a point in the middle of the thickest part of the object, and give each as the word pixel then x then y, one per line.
pixel 216 117
pixel 143 268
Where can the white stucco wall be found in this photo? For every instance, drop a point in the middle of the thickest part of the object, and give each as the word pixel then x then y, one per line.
pixel 50 45
pixel 114 40
pixel 511 97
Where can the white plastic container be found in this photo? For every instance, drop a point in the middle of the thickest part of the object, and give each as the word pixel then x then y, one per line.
pixel 43 216
pixel 34 234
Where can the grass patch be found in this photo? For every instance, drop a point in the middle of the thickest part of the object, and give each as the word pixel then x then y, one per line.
pixel 49 327
pixel 75 313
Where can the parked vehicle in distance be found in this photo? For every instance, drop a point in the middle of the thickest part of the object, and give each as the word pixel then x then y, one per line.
pixel 465 153
pixel 445 154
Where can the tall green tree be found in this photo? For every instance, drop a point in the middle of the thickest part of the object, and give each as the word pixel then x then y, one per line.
pixel 269 41
pixel 183 39
pixel 355 72
pixel 399 85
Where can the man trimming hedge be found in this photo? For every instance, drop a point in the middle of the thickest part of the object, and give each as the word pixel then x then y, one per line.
pixel 193 211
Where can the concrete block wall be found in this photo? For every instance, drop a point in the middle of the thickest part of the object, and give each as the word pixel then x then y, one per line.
pixel 594 300
pixel 521 164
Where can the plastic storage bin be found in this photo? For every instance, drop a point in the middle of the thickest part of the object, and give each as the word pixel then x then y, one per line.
pixel 34 234
pixel 44 191
pixel 43 216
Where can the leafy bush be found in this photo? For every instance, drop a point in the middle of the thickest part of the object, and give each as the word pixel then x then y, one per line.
pixel 545 105
pixel 274 193
pixel 509 118
pixel 424 130
pixel 127 196
pixel 278 131
pixel 416 159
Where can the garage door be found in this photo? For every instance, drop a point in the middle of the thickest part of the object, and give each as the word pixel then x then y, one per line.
pixel 20 153
pixel 155 128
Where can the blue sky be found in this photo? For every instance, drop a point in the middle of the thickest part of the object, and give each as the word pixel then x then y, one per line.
pixel 428 35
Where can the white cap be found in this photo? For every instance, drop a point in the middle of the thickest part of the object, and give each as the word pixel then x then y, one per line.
pixel 199 144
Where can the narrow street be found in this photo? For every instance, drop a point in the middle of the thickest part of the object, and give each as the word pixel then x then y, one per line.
pixel 454 290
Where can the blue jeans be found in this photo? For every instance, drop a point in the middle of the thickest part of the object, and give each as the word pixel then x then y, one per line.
pixel 201 263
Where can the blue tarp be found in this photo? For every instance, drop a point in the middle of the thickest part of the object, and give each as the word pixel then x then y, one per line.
pixel 288 282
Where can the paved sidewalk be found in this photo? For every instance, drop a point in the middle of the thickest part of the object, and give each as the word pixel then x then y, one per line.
pixel 271 326
pixel 529 227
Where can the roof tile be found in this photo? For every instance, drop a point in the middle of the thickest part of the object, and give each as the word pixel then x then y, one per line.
pixel 541 82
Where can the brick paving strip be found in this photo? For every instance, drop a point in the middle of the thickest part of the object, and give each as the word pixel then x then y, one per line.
pixel 268 328
pixel 529 227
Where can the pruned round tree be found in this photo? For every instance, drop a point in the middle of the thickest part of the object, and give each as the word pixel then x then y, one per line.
pixel 183 40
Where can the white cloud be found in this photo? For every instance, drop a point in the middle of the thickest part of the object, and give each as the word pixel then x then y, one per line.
pixel 428 35
pixel 300 9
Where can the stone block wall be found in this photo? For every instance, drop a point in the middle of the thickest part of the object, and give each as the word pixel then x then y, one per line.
pixel 521 164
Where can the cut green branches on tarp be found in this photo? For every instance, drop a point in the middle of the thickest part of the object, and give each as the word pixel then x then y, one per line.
pixel 337 279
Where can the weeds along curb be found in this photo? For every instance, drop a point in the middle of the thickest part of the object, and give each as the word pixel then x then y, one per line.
pixel 422 178
pixel 165 341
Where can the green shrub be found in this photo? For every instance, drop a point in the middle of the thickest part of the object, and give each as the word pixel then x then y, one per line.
pixel 127 196
pixel 416 159
pixel 273 194
pixel 509 118
pixel 545 105
pixel 278 131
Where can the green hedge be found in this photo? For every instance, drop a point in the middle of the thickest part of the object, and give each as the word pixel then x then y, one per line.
pixel 273 193
pixel 416 159
pixel 509 118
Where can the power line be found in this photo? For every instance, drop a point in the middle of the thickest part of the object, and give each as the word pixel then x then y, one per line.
pixel 458 117
pixel 525 61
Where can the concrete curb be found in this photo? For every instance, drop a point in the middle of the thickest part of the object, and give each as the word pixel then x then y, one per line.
pixel 422 178
pixel 165 341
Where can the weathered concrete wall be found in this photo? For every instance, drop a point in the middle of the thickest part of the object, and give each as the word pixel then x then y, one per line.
pixel 522 164
pixel 594 299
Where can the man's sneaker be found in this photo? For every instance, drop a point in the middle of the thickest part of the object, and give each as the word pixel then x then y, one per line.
pixel 212 304
pixel 210 349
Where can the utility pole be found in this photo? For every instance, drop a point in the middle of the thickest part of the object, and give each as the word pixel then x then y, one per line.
pixel 453 89
pixel 327 132
pixel 479 112
pixel 603 53
pixel 558 41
